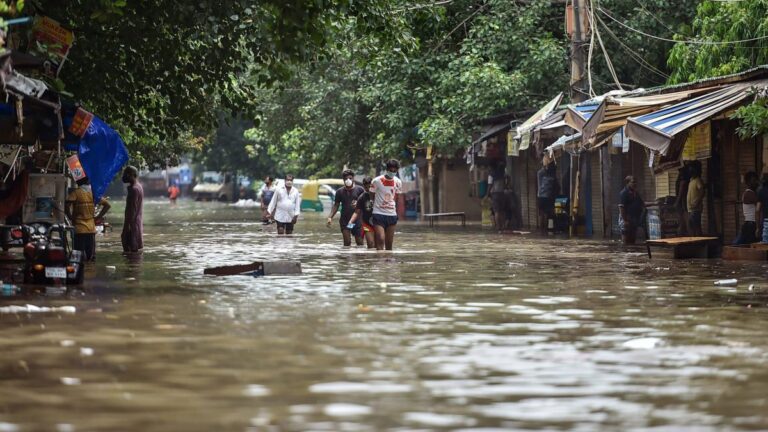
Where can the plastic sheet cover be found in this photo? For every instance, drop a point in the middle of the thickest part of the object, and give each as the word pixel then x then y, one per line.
pixel 102 154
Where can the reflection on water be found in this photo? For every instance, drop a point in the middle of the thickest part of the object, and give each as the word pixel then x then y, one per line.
pixel 457 329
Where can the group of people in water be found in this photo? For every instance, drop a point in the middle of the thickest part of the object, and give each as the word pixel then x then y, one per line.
pixel 367 212
pixel 80 206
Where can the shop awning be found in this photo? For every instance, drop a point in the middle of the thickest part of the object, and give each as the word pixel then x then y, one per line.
pixel 493 131
pixel 577 115
pixel 657 129
pixel 613 111
pixel 540 115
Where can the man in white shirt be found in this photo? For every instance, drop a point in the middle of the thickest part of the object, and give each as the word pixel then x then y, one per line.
pixel 384 189
pixel 285 206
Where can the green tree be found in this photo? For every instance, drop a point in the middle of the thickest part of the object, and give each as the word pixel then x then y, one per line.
pixel 161 71
pixel 725 38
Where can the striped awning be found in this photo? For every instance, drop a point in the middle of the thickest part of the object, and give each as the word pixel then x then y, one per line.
pixel 613 112
pixel 657 129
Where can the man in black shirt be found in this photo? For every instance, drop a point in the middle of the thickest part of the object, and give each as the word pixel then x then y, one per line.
pixel 631 208
pixel 346 197
pixel 364 212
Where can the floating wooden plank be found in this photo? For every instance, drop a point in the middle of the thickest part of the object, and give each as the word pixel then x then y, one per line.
pixel 257 268
pixel 680 240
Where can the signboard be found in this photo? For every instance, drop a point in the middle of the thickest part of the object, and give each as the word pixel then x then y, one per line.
pixel 49 39
pixel 698 146
pixel 513 145
pixel 73 162
pixel 80 122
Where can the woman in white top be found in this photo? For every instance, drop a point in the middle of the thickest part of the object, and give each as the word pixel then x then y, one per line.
pixel 285 206
pixel 749 207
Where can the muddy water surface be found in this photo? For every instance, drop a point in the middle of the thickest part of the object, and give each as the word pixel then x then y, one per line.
pixel 459 329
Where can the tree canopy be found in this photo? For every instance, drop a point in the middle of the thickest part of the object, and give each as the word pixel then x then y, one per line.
pixel 725 38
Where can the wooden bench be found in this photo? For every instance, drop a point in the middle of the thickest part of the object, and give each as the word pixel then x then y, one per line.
pixel 434 216
pixel 686 247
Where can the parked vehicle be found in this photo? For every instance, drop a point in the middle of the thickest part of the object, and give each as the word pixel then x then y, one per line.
pixel 318 195
pixel 48 254
pixel 215 186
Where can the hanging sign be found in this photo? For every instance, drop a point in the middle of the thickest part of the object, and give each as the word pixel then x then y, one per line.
pixel 699 143
pixel 80 122
pixel 52 41
pixel 73 162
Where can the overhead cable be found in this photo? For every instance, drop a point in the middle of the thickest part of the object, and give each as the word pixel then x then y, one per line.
pixel 641 61
pixel 684 41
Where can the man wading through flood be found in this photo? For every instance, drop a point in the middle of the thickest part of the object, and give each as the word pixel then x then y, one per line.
pixel 285 206
pixel 347 197
pixel 133 227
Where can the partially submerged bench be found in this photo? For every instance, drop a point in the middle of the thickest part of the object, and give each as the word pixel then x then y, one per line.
pixel 432 217
pixel 686 247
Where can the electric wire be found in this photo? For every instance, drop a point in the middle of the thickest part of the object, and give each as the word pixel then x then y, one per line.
pixel 684 41
pixel 605 51
pixel 596 33
pixel 641 61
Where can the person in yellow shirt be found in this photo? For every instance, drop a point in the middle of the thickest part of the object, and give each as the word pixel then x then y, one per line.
pixel 695 200
pixel 80 209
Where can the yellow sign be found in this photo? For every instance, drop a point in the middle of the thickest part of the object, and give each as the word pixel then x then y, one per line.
pixel 52 40
pixel 699 143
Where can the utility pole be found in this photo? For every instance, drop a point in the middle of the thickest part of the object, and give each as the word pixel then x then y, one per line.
pixel 578 56
pixel 578 94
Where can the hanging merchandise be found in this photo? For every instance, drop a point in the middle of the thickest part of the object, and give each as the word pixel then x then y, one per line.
pixel 525 141
pixel 513 145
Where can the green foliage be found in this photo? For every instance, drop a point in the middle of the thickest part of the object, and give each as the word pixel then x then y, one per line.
pixel 745 20
pixel 161 70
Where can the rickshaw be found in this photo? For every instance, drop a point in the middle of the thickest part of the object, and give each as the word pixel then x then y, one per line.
pixel 317 194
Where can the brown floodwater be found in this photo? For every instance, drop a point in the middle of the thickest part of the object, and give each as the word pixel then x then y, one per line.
pixel 458 329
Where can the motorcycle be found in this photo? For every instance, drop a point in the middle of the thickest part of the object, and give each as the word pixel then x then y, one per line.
pixel 49 257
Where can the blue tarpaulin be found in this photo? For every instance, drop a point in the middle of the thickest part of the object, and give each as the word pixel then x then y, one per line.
pixel 102 154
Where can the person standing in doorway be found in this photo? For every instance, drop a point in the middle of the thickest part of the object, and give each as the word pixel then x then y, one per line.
pixel 133 226
pixel 346 198
pixel 364 212
pixel 267 191
pixel 498 198
pixel 695 200
pixel 384 189
pixel 285 206
pixel 749 207
pixel 681 186
pixel 762 205
pixel 631 208
pixel 79 209
pixel 547 191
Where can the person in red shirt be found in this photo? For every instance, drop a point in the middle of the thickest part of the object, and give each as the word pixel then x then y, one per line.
pixel 173 193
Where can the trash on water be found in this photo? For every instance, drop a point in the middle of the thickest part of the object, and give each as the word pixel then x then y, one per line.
pixel 643 343
pixel 726 282
pixel 111 269
pixel 36 309
pixel 751 287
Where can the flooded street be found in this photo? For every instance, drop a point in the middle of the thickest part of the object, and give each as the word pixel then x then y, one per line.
pixel 459 329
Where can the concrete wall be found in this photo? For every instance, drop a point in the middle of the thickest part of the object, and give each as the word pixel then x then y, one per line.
pixel 455 191
pixel 449 189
